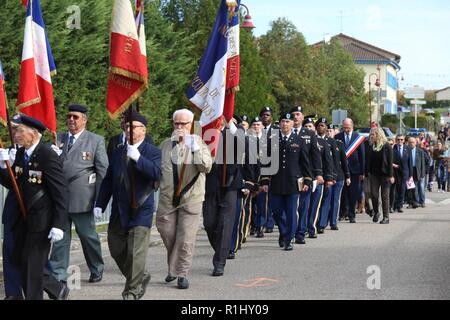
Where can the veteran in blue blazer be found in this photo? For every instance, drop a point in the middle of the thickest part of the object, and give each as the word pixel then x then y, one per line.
pixel 129 228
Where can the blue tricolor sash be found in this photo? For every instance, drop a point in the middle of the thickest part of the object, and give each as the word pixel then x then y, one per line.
pixel 353 146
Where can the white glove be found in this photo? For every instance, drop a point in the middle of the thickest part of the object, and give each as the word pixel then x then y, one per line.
pixel 55 235
pixel 98 212
pixel 56 149
pixel 189 141
pixel 133 153
pixel 245 191
pixel 12 155
pixel 4 156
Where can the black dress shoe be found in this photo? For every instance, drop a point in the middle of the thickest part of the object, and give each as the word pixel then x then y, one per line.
pixel 269 230
pixel 300 241
pixel 244 240
pixel 384 221
pixel 422 205
pixel 288 246
pixel 320 230
pixel 352 221
pixel 169 278
pixel 252 231
pixel 376 217
pixel 341 219
pixel 95 278
pixel 231 255
pixel 64 294
pixel 312 236
pixel 183 283
pixel 334 228
pixel 281 241
pixel 400 210
pixel 218 272
pixel 259 234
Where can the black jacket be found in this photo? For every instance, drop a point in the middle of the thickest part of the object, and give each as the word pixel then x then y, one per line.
pixel 327 159
pixel 311 145
pixel 386 160
pixel 340 160
pixel 43 186
pixel 404 162
pixel 294 163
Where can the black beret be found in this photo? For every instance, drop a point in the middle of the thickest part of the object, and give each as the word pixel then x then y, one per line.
pixel 296 109
pixel 265 109
pixel 78 108
pixel 330 126
pixel 286 116
pixel 237 118
pixel 135 116
pixel 322 120
pixel 308 120
pixel 29 122
pixel 244 118
pixel 256 119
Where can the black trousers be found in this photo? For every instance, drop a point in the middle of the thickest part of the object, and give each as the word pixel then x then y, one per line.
pixel 35 276
pixel 377 182
pixel 218 219
pixel 400 191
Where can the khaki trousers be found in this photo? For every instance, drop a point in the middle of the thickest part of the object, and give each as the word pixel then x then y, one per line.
pixel 129 249
pixel 178 229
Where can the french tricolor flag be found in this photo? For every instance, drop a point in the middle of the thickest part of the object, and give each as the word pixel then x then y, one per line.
pixel 3 104
pixel 128 74
pixel 233 64
pixel 208 88
pixel 35 97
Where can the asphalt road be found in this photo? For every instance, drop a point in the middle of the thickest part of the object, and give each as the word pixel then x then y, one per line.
pixel 407 259
pixel 411 255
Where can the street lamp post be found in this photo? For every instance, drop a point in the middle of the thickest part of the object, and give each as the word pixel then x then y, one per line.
pixel 377 84
pixel 248 22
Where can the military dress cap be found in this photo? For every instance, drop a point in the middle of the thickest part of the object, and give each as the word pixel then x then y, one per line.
pixel 308 120
pixel 256 119
pixel 296 109
pixel 286 116
pixel 29 122
pixel 265 109
pixel 322 120
pixel 77 108
pixel 330 126
pixel 136 116
pixel 244 118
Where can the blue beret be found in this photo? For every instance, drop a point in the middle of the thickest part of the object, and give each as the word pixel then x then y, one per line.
pixel 286 116
pixel 308 120
pixel 265 109
pixel 29 122
pixel 256 119
pixel 77 108
pixel 322 120
pixel 296 109
pixel 135 116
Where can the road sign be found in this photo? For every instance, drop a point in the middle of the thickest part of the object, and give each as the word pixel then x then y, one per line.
pixel 418 102
pixel 414 93
pixel 338 116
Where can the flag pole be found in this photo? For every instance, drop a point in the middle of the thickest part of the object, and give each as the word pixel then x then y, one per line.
pixel 23 210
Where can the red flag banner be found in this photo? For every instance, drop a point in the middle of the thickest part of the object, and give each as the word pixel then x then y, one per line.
pixel 128 75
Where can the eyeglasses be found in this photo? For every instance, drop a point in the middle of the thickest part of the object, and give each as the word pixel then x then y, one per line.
pixel 127 126
pixel 400 139
pixel 74 116
pixel 176 124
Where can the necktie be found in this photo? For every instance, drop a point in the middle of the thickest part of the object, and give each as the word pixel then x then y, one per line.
pixel 26 158
pixel 295 131
pixel 401 152
pixel 347 139
pixel 414 157
pixel 285 138
pixel 70 142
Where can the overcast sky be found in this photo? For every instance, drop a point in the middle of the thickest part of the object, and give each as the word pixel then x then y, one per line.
pixel 419 31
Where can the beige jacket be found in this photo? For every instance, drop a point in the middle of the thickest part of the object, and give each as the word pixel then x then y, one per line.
pixel 199 161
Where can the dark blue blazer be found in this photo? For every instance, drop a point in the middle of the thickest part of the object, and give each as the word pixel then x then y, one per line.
pixel 147 174
pixel 356 162
pixel 404 162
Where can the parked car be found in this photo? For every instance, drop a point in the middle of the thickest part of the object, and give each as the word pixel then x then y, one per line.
pixel 365 132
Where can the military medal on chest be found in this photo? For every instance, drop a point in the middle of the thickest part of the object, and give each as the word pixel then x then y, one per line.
pixel 86 155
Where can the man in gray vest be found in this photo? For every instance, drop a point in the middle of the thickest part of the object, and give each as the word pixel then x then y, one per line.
pixel 85 162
